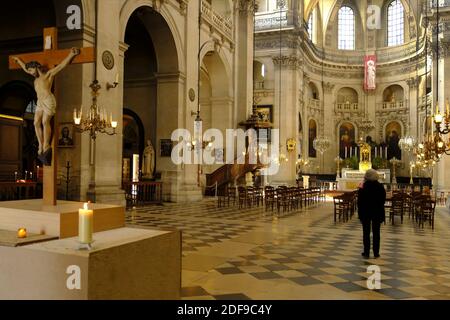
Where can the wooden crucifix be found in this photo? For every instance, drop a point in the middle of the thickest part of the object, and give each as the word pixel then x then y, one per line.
pixel 44 66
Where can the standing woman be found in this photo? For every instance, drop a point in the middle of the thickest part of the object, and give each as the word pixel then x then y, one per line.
pixel 371 199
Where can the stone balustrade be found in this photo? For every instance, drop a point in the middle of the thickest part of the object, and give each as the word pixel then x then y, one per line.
pixel 273 20
pixel 347 107
pixel 223 25
pixel 314 104
pixel 397 105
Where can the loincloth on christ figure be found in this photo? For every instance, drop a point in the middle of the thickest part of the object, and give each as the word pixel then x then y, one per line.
pixel 47 105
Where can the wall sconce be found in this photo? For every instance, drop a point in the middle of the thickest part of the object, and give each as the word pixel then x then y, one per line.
pixel 291 144
pixel 115 83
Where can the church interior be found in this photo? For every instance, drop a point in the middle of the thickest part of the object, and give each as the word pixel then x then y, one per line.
pixel 217 149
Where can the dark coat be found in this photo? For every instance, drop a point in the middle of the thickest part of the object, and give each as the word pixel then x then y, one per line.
pixel 371 199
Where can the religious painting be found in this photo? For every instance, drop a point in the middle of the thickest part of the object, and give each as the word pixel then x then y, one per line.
pixel 312 135
pixel 370 70
pixel 393 133
pixel 65 135
pixel 347 135
pixel 166 146
pixel 264 113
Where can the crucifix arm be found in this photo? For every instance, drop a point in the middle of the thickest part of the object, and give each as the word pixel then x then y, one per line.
pixel 22 65
pixel 73 52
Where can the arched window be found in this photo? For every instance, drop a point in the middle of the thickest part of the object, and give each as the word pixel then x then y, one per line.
pixel 311 26
pixel 395 23
pixel 346 29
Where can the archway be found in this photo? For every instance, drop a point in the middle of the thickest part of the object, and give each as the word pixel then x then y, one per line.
pixel 393 94
pixel 215 101
pixel 152 78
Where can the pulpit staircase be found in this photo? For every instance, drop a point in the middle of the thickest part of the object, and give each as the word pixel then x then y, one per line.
pixel 228 174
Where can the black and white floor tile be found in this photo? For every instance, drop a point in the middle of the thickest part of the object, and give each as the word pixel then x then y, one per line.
pixel 231 253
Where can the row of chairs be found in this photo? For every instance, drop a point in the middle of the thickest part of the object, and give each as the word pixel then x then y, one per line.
pixel 345 206
pixel 419 207
pixel 282 198
pixel 291 198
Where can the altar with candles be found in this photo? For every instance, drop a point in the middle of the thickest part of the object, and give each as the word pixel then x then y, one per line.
pixel 350 179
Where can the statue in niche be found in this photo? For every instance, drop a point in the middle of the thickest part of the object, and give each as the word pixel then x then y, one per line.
pixel 148 162
pixel 46 101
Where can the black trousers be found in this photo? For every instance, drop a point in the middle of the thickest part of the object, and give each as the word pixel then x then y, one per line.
pixel 367 224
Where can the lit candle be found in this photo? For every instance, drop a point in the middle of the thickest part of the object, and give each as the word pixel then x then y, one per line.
pixel 22 233
pixel 85 224
pixel 26 174
pixel 114 124
pixel 15 176
pixel 31 175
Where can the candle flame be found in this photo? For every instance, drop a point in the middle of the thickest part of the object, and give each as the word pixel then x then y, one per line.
pixel 85 206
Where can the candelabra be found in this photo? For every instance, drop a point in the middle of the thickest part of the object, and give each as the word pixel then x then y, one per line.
pixel 97 119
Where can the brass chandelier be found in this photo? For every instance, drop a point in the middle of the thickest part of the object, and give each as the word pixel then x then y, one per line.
pixel 97 120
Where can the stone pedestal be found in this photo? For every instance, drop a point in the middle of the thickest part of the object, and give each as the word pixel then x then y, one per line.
pixel 60 220
pixel 125 263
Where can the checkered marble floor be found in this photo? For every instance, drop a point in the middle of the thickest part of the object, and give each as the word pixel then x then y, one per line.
pixel 231 253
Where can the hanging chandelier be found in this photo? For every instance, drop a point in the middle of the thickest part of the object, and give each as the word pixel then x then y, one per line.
pixel 321 144
pixel 407 143
pixel 97 120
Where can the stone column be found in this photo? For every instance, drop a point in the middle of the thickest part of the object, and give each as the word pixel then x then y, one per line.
pixel 442 172
pixel 283 114
pixel 106 173
pixel 243 62
pixel 327 127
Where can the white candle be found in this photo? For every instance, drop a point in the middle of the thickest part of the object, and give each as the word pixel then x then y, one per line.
pixel 345 152
pixel 376 152
pixel 117 78
pixel 385 152
pixel 85 224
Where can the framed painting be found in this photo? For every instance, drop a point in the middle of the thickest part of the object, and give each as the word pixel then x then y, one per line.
pixel 166 146
pixel 265 113
pixel 393 133
pixel 66 135
pixel 347 135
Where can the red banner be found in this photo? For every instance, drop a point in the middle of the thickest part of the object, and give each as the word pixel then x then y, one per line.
pixel 370 72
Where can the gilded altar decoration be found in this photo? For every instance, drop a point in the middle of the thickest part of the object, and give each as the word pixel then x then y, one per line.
pixel 365 162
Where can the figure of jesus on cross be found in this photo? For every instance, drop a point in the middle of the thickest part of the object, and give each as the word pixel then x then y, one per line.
pixel 46 101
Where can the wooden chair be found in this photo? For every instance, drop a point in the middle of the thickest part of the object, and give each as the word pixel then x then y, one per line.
pixel 341 208
pixel 242 197
pixel 427 210
pixel 258 196
pixel 283 199
pixel 231 195
pixel 396 207
pixel 269 197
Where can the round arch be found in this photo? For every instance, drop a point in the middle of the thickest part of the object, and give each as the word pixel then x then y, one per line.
pixel 221 72
pixel 159 36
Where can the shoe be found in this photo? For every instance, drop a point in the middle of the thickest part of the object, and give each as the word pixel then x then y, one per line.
pixel 376 256
pixel 365 255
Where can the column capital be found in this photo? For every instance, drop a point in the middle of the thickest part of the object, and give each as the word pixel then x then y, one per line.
pixel 291 62
pixel 246 7
pixel 412 83
pixel 328 87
